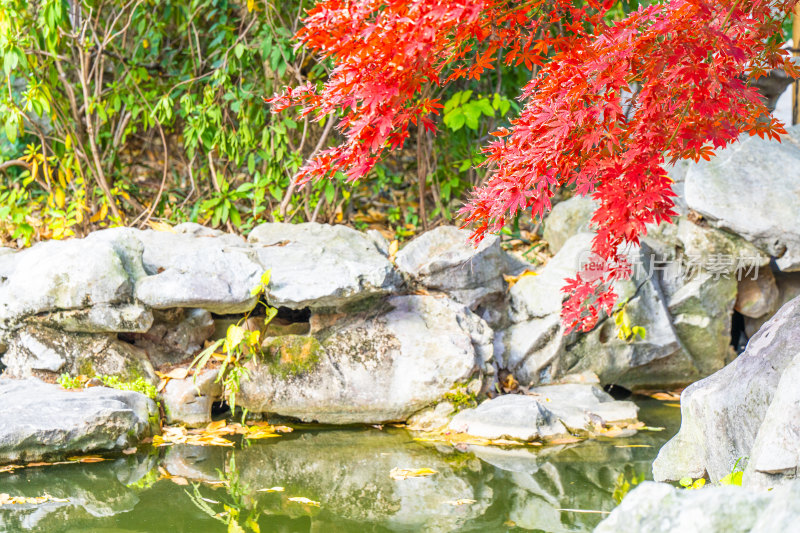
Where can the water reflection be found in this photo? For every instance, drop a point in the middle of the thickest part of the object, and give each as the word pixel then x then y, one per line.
pixel 191 488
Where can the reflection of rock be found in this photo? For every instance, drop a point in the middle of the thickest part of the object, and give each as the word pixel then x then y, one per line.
pixel 371 367
pixel 723 413
pixel 58 422
pixel 543 483
pixel 37 351
pixel 546 413
pixel 349 474
pixel 321 266
pixel 662 508
pixel 197 463
pixel 95 494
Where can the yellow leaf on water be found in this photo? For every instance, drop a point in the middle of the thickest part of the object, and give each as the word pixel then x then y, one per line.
pixel 7 499
pixel 564 440
pixel 303 500
pixel 87 459
pixel 405 473
pixel 463 501
pixel 272 489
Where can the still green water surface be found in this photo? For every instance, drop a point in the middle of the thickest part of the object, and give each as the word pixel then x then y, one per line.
pixel 347 472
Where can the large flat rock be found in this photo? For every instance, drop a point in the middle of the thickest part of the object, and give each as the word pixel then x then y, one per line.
pixel 545 413
pixel 43 421
pixel 321 266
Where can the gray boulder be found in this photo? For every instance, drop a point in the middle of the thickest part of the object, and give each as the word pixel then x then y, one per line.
pixel 758 294
pixel 188 401
pixel 662 508
pixel 548 412
pixel 37 351
pixel 66 275
pixel 775 455
pixel 530 347
pixel 657 360
pixel 379 366
pixel 215 273
pixel 58 422
pixel 722 414
pixel 445 260
pixel 321 266
pixel 788 284
pixel 768 213
pixel 566 219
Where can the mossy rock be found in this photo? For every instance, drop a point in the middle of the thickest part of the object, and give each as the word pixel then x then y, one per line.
pixel 291 355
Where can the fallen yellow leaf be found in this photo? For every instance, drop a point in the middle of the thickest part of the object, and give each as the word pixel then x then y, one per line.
pixel 87 459
pixel 303 500
pixel 272 489
pixel 405 473
pixel 215 426
pixel 177 373
pixel 160 226
pixel 511 280
pixel 463 501
pixel 6 499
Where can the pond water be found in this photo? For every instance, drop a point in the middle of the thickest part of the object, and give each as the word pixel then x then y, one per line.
pixel 179 488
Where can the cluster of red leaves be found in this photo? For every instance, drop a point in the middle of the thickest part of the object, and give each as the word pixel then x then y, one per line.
pixel 610 106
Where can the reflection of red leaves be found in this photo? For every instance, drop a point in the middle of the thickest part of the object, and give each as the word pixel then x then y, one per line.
pixel 577 127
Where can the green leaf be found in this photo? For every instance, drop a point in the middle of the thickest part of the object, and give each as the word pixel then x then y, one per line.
pixel 455 120
pixel 685 482
pixel 484 105
pixel 271 313
pixel 238 50
pixel 10 61
pixel 234 337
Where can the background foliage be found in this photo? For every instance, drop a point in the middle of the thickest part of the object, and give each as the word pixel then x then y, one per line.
pixel 133 111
